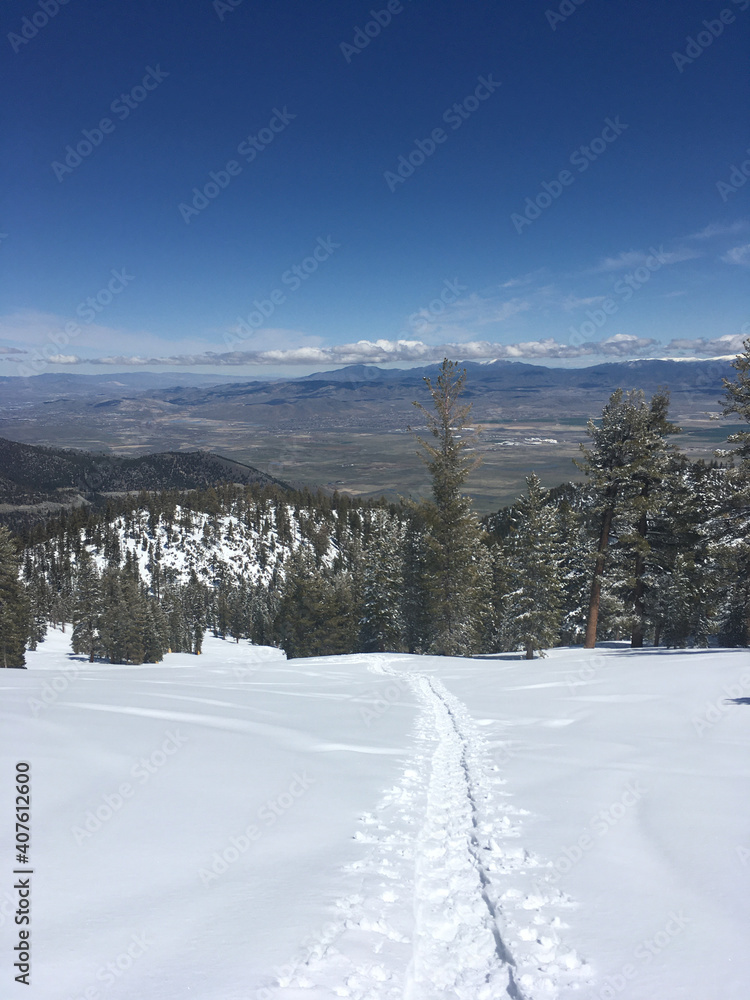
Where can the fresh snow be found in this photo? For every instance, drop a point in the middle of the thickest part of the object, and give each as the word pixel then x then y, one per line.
pixel 205 543
pixel 237 826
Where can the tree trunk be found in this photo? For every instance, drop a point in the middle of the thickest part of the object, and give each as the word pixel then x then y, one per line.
pixel 657 633
pixel 636 637
pixel 596 583
pixel 529 650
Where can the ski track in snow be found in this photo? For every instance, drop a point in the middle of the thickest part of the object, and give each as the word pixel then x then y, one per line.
pixel 441 910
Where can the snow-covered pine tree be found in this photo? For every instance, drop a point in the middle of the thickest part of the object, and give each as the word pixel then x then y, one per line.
pixel 113 621
pixel 415 602
pixel 532 609
pixel 14 610
pixel 737 400
pixel 575 549
pixel 626 461
pixel 37 592
pixel 87 607
pixel 382 626
pixel 457 570
pixel 736 620
pixel 687 619
pixel 318 614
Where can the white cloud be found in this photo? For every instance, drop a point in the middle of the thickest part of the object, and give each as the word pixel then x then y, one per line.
pixel 738 255
pixel 387 351
pixel 523 279
pixel 718 229
pixel 638 258
pixel 572 302
pixel 64 359
pixel 730 343
pixel 457 321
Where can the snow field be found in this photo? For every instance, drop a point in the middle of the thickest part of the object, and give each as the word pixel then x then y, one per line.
pixel 383 826
pixel 432 885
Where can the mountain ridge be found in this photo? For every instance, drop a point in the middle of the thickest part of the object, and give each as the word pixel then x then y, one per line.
pixel 37 480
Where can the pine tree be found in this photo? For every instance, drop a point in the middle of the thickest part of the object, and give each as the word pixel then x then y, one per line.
pixel 317 614
pixel 575 548
pixel 737 400
pixel 114 618
pixel 37 592
pixel 626 461
pixel 87 607
pixel 382 625
pixel 532 609
pixel 457 570
pixel 415 598
pixel 686 617
pixel 14 609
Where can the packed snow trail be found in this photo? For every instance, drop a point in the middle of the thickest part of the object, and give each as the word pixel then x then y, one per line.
pixel 458 948
pixel 439 915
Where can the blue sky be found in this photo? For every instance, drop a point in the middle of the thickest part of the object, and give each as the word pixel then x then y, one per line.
pixel 276 187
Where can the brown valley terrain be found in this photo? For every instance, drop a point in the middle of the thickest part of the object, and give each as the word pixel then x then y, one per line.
pixel 353 429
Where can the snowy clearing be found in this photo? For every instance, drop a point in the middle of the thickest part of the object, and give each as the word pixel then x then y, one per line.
pixel 237 826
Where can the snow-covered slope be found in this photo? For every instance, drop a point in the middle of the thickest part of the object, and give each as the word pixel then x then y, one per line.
pixel 247 549
pixel 241 827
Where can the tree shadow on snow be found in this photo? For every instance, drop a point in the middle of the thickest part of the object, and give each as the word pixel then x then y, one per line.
pixel 500 656
pixel 739 701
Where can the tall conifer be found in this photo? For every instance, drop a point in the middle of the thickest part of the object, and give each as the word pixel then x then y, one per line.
pixel 457 564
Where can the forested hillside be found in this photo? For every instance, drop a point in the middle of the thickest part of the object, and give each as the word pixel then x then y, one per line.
pixel 36 480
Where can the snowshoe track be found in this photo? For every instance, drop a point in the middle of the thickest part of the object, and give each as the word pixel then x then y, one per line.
pixel 436 917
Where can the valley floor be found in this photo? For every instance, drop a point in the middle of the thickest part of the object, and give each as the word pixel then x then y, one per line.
pixel 242 827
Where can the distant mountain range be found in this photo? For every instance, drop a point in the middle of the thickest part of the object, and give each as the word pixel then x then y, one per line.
pixel 51 386
pixel 366 397
pixel 328 427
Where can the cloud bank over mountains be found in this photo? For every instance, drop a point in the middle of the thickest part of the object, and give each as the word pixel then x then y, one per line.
pixel 584 310
pixel 619 346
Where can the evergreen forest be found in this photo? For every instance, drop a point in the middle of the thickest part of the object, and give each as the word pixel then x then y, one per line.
pixel 642 545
